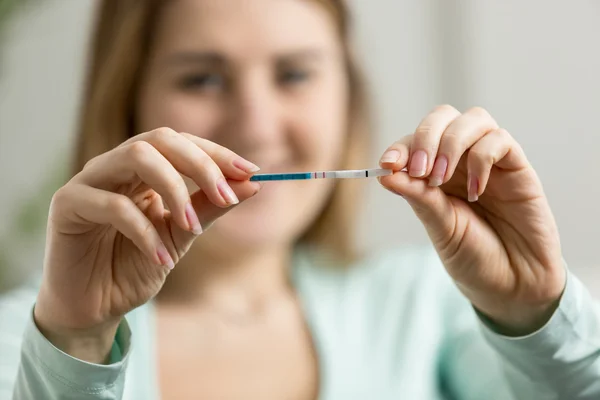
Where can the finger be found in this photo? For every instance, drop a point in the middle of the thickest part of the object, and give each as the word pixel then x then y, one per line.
pixel 430 205
pixel 232 165
pixel 459 136
pixel 140 160
pixel 161 218
pixel 496 148
pixel 186 153
pixel 91 205
pixel 396 156
pixel 427 138
pixel 208 213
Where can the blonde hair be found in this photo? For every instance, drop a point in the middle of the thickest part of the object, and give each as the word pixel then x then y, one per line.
pixel 119 47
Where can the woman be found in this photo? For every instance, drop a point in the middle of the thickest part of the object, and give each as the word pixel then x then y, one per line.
pixel 271 302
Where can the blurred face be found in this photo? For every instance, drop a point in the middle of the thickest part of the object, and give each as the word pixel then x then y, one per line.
pixel 264 78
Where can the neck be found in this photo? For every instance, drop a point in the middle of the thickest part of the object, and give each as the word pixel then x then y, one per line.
pixel 231 279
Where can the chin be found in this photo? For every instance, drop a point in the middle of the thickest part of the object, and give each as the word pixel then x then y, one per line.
pixel 272 218
pixel 252 235
pixel 247 231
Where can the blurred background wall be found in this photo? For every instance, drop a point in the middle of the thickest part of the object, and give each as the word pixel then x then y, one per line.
pixel 534 65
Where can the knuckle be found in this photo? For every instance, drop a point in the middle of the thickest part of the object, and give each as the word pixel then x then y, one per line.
pixel 201 159
pixel 139 150
pixel 504 134
pixel 452 142
pixel 163 133
pixel 176 188
pixel 146 229
pixel 98 159
pixel 422 131
pixel 478 111
pixel 89 163
pixel 60 197
pixel 444 108
pixel 119 205
pixel 198 142
pixel 192 138
pixel 481 157
pixel 204 163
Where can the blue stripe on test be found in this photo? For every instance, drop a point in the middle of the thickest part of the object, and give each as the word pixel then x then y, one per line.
pixel 281 177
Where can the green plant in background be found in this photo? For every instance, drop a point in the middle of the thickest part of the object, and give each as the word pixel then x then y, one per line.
pixel 8 8
pixel 26 228
pixel 28 222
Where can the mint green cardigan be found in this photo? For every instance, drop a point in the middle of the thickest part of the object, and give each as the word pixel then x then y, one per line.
pixel 393 326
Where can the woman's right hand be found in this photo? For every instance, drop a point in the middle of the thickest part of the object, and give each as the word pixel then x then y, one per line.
pixel 110 240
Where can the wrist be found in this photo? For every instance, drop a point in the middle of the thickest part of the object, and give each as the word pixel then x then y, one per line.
pixel 521 322
pixel 518 315
pixel 93 344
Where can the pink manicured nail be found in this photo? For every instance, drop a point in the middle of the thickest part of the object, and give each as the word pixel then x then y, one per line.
pixel 227 192
pixel 439 171
pixel 192 219
pixel 245 165
pixel 418 164
pixel 472 188
pixel 165 257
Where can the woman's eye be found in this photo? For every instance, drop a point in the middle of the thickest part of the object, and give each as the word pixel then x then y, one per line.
pixel 292 77
pixel 202 81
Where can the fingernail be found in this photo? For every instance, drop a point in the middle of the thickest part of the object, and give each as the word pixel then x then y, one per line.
pixel 192 219
pixel 439 171
pixel 390 156
pixel 472 188
pixel 227 192
pixel 418 164
pixel 165 257
pixel 245 165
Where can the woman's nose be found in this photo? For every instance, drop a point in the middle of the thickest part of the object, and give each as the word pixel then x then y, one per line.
pixel 257 112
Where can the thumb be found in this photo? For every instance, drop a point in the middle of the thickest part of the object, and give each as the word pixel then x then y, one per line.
pixel 432 206
pixel 208 212
pixel 178 240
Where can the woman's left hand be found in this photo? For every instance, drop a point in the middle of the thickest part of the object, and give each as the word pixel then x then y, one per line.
pixel 486 213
